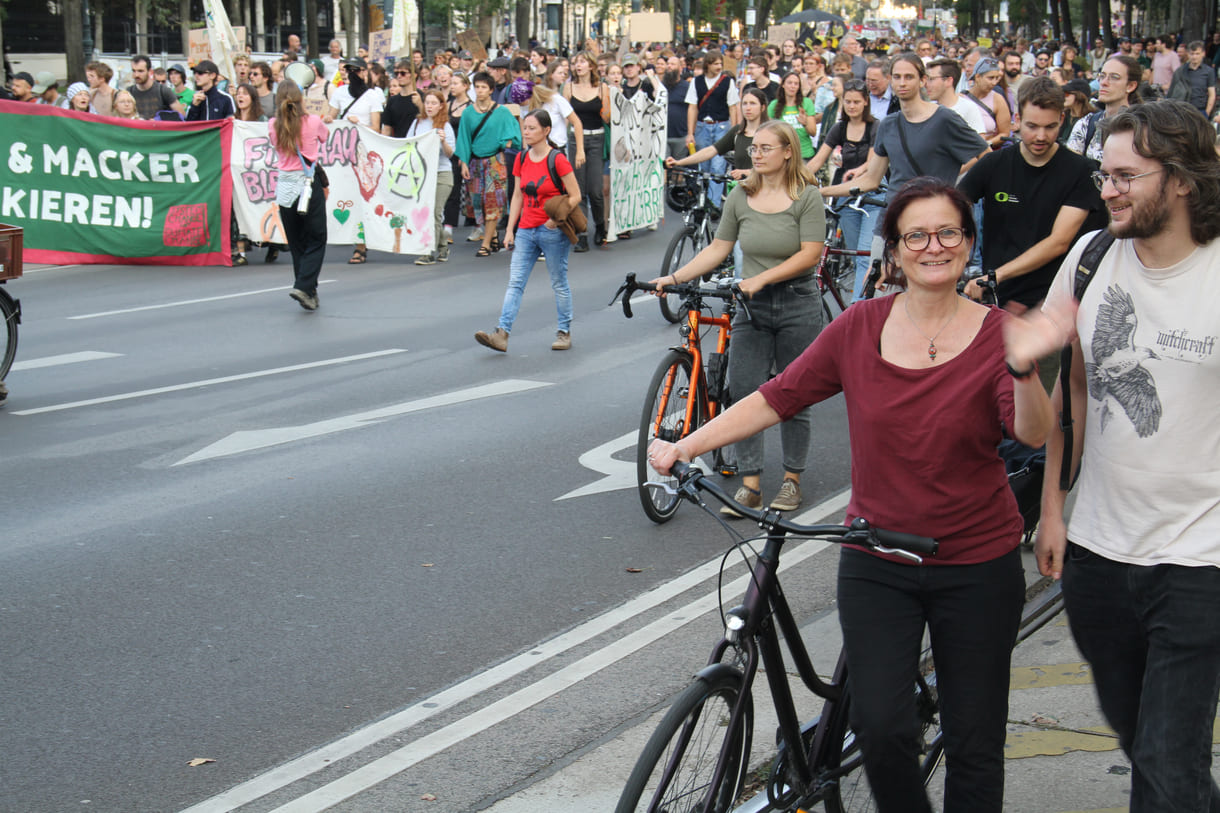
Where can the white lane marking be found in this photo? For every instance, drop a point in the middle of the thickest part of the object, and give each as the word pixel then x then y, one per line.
pixel 190 301
pixel 249 440
pixel 65 358
pixel 395 724
pixel 620 474
pixel 127 396
pixel 643 298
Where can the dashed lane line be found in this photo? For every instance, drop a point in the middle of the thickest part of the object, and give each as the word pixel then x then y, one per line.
pixel 180 303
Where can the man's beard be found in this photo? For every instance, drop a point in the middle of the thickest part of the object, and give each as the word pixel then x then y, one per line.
pixel 1013 74
pixel 1146 221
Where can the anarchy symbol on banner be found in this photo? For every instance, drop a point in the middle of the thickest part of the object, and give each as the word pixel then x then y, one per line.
pixel 407 172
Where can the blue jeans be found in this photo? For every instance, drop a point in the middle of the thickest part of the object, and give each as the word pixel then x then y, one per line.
pixel 529 244
pixel 1152 634
pixel 788 316
pixel 972 613
pixel 705 136
pixel 858 228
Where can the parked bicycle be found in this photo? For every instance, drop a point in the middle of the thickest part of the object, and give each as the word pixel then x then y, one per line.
pixel 697 760
pixel 10 308
pixel 689 197
pixel 690 386
pixel 836 273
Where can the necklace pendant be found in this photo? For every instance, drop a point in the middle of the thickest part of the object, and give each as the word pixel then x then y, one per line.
pixel 932 351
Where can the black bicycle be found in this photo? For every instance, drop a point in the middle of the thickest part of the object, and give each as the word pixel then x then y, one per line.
pixel 697 760
pixel 687 193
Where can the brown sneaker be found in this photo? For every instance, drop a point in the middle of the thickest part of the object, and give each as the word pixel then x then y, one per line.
pixel 788 498
pixel 563 340
pixel 496 340
pixel 747 497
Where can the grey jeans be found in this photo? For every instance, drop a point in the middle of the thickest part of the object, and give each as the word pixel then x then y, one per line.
pixel 787 318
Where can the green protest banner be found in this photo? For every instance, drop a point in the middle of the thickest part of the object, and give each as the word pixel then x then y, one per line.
pixel 88 188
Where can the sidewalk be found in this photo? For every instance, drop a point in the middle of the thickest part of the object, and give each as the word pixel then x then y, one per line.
pixel 1061 757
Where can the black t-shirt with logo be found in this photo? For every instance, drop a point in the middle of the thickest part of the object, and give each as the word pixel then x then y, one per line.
pixel 1020 204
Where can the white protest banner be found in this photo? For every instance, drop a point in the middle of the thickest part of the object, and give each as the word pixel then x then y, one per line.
pixel 382 189
pixel 637 154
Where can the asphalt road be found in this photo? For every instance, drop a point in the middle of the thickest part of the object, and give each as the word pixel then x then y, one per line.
pixel 240 532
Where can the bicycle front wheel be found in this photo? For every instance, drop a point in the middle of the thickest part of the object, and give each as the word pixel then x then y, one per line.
pixel 665 417
pixel 676 772
pixel 8 336
pixel 852 792
pixel 683 246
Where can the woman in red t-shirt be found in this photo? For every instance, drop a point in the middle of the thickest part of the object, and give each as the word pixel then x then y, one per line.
pixel 534 233
pixel 929 397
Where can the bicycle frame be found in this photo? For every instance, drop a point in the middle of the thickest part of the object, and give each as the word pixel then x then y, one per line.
pixel 691 343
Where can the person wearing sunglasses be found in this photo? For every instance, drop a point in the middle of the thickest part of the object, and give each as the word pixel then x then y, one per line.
pixel 931 386
pixel 778 216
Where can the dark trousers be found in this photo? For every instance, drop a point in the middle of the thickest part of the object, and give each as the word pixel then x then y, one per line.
pixel 589 180
pixel 1152 635
pixel 972 613
pixel 306 235
pixel 453 203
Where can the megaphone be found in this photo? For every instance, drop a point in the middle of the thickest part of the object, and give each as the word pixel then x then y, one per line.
pixel 301 73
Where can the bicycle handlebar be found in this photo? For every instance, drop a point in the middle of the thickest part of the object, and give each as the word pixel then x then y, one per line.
pixel 855 202
pixel 726 288
pixel 699 174
pixel 691 480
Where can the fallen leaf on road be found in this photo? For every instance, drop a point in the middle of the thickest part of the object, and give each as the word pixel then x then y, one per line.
pixel 429 564
pixel 635 570
pixel 428 797
pixel 197 761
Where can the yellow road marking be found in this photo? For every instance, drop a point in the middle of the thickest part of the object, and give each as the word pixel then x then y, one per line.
pixel 1054 742
pixel 1053 674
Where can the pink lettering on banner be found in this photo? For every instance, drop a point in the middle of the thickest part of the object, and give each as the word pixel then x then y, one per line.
pixel 186 226
pixel 260 184
pixel 340 147
pixel 259 150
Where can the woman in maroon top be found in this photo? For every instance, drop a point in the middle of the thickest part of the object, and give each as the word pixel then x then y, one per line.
pixel 933 382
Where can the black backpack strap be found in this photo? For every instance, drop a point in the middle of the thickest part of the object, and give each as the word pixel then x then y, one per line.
pixel 552 169
pixel 1090 259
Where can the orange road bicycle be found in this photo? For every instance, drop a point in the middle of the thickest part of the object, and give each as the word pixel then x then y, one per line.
pixel 690 386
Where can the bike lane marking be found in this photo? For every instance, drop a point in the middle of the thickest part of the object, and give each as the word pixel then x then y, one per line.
pixel 249 440
pixel 190 301
pixel 63 358
pixel 397 761
pixel 207 382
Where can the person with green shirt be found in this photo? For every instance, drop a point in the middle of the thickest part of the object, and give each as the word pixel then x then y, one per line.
pixel 485 130
pixel 177 83
pixel 792 106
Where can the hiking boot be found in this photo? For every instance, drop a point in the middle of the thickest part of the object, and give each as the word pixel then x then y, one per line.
pixel 309 303
pixel 748 497
pixel 427 259
pixel 563 340
pixel 788 498
pixel 496 340
pixel 443 254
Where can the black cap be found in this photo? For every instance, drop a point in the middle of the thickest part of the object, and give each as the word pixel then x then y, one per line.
pixel 498 62
pixel 356 61
pixel 1079 87
pixel 205 66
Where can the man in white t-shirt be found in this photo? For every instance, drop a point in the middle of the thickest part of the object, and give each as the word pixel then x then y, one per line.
pixel 943 76
pixel 1140 557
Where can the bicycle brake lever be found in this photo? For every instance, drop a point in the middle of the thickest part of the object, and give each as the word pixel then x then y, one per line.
pixel 905 554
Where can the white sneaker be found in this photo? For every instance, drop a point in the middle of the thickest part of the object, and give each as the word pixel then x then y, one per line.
pixel 476 235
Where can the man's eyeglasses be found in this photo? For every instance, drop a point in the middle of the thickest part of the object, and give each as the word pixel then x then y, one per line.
pixel 1112 77
pixel 402 73
pixel 919 240
pixel 1121 180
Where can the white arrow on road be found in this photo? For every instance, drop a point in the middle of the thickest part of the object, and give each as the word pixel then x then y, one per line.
pixel 246 441
pixel 620 474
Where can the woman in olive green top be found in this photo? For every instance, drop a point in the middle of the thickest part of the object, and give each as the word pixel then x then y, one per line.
pixel 777 213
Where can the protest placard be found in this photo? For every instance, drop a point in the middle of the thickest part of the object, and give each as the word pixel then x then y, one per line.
pixel 776 34
pixel 472 42
pixel 637 151
pixel 651 27
pixel 379 44
pixel 92 189
pixel 382 189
